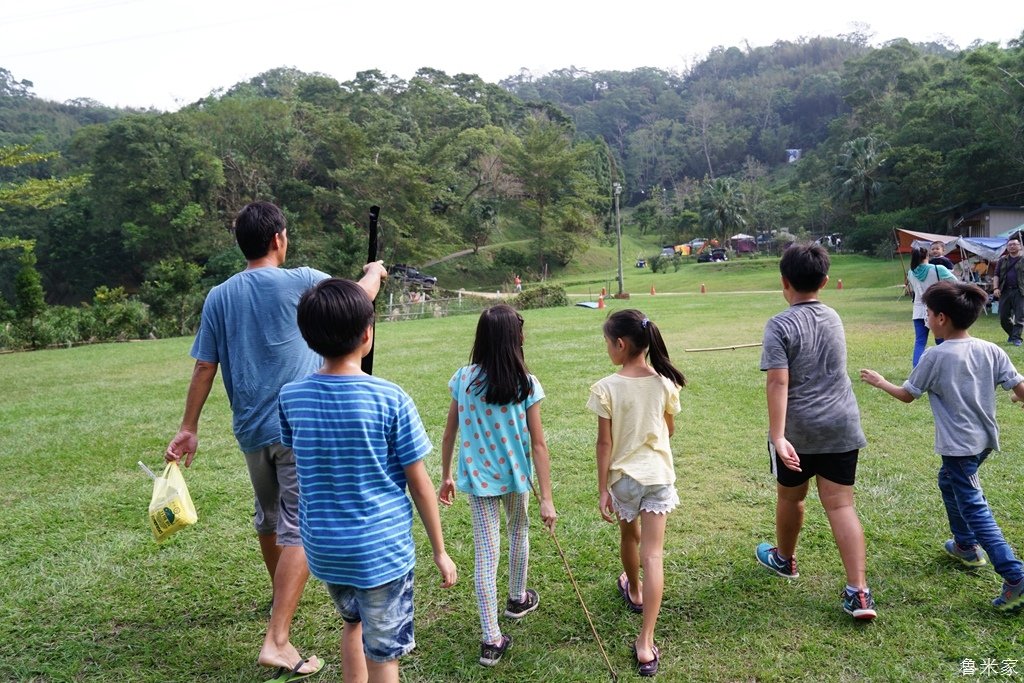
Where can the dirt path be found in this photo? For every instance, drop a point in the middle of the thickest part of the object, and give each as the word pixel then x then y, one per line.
pixel 467 252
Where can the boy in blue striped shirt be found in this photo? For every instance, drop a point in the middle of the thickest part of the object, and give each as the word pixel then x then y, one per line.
pixel 358 444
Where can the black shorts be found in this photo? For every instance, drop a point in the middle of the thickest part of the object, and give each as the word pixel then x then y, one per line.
pixel 839 468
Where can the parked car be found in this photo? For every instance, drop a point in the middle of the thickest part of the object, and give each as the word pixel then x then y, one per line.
pixel 717 254
pixel 696 244
pixel 411 277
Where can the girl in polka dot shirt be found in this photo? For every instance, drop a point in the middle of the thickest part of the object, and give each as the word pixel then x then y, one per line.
pixel 495 413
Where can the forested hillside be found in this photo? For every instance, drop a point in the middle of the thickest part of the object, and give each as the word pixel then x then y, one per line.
pixel 887 136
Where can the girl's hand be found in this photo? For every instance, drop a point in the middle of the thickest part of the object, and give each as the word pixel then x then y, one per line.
pixel 446 494
pixel 605 506
pixel 548 514
pixel 449 575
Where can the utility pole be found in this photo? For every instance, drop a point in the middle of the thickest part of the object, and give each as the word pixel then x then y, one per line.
pixel 617 189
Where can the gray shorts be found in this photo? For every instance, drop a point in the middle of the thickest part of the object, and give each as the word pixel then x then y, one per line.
pixel 630 497
pixel 272 473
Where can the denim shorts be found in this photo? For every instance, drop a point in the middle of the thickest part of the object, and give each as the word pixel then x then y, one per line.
pixel 630 497
pixel 386 613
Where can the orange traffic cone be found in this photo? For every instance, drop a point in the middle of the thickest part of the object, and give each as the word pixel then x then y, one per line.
pixel 600 301
pixel 703 289
pixel 839 285
pixel 652 290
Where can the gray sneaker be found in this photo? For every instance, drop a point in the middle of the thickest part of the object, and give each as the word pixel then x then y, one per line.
pixel 971 557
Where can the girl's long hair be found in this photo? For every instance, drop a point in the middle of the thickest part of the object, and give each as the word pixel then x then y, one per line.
pixel 642 336
pixel 918 255
pixel 498 352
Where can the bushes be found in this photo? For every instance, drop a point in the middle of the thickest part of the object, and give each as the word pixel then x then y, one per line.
pixel 112 316
pixel 116 317
pixel 545 296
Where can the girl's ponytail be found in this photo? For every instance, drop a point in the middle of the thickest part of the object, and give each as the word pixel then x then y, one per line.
pixel 657 352
pixel 633 326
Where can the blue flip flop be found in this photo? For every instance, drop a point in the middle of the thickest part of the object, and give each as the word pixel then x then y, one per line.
pixel 283 675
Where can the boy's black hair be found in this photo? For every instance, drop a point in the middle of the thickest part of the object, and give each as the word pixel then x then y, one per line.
pixel 961 302
pixel 805 266
pixel 918 255
pixel 642 336
pixel 255 227
pixel 498 352
pixel 333 314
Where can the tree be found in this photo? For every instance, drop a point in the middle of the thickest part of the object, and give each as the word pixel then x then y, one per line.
pixel 554 192
pixel 857 175
pixel 723 207
pixel 30 193
pixel 172 292
pixel 36 193
pixel 28 287
pixel 156 180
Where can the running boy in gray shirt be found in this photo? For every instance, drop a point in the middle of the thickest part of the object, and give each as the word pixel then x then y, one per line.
pixel 960 376
pixel 813 424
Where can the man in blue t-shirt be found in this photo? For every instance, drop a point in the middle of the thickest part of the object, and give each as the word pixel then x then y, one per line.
pixel 248 328
pixel 359 443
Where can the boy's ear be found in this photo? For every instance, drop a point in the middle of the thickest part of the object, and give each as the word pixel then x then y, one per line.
pixel 366 342
pixel 824 281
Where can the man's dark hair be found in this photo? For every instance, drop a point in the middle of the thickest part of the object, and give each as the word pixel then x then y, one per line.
pixel 255 227
pixel 961 302
pixel 332 316
pixel 805 266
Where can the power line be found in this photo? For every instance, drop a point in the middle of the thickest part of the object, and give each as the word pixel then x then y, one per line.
pixel 66 10
pixel 115 41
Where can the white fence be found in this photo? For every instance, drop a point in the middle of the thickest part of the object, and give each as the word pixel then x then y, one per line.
pixel 414 305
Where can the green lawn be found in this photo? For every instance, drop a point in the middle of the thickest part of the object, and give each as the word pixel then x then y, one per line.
pixel 88 596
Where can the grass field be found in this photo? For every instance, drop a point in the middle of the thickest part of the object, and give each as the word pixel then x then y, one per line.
pixel 88 596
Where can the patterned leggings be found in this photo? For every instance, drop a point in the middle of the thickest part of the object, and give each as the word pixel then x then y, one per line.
pixel 486 516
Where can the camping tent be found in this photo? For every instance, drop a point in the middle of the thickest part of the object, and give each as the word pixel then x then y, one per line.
pixel 743 244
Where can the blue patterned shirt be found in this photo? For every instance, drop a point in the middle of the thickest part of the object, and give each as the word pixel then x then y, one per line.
pixel 494 441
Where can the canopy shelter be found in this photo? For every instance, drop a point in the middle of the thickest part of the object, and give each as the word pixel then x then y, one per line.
pixel 956 248
pixel 908 239
pixel 990 248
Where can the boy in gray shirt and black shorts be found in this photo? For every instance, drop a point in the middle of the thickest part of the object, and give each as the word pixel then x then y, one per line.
pixel 960 377
pixel 813 424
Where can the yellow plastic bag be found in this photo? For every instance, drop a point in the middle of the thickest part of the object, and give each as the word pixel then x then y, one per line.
pixel 170 508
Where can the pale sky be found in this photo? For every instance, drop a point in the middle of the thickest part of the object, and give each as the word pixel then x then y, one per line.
pixel 169 53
